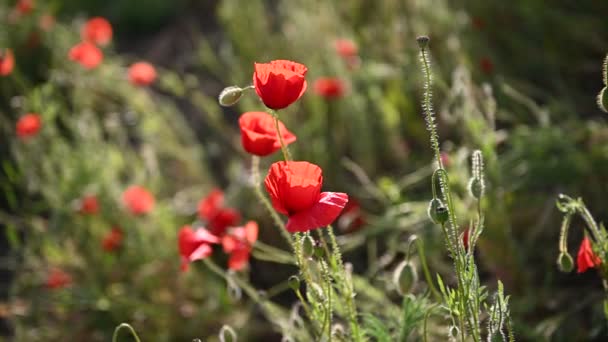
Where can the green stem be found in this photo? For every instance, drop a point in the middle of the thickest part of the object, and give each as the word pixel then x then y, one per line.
pixel 125 326
pixel 286 153
pixel 425 269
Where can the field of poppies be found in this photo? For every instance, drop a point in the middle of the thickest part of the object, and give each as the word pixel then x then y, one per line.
pixel 312 170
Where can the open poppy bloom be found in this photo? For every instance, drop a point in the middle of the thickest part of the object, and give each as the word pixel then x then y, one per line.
pixel 346 48
pixel 28 125
pixel 279 83
pixel 194 245
pixel 238 243
pixel 138 200
pixel 24 6
pixel 259 135
pixel 86 54
pixel 295 190
pixel 211 209
pixel 89 205
pixel 586 258
pixel 58 279
pixel 7 62
pixel 142 74
pixel 97 31
pixel 112 240
pixel 329 87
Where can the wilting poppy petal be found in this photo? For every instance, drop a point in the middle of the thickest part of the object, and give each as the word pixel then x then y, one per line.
pixel 586 258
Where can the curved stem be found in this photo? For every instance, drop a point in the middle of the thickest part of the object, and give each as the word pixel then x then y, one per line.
pixel 286 153
pixel 125 326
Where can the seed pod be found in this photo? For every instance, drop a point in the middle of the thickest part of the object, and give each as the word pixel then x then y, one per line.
pixel 476 187
pixel 437 212
pixel 423 41
pixel 565 262
pixel 230 96
pixel 405 277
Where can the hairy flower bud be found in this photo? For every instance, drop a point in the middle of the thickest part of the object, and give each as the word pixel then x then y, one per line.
pixel 565 262
pixel 294 282
pixel 230 96
pixel 227 334
pixel 476 187
pixel 405 277
pixel 423 41
pixel 437 212
pixel 308 246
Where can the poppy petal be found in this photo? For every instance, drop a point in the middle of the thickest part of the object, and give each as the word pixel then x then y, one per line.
pixel 323 213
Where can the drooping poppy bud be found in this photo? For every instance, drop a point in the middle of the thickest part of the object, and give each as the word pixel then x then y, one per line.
pixel 230 96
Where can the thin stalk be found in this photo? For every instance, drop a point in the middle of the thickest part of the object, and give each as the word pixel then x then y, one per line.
pixel 347 285
pixel 286 153
pixel 425 269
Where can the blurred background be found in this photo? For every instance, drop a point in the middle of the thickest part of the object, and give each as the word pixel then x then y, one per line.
pixel 516 79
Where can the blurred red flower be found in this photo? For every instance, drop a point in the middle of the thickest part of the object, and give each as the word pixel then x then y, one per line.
pixel 295 191
pixel 89 205
pixel 346 48
pixel 259 135
pixel 194 245
pixel 112 240
pixel 279 83
pixel 465 238
pixel 142 74
pixel 97 31
pixel 46 22
pixel 7 62
pixel 329 87
pixel 238 243
pixel 28 125
pixel 211 209
pixel 586 258
pixel 138 200
pixel 57 279
pixel 87 54
pixel 24 6
pixel 351 218
pixel 486 65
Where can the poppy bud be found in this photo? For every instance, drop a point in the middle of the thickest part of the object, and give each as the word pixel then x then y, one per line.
pixel 319 252
pixel 405 277
pixel 437 212
pixel 565 262
pixel 227 334
pixel 423 41
pixel 454 331
pixel 602 100
pixel 230 96
pixel 308 246
pixel 294 282
pixel 476 187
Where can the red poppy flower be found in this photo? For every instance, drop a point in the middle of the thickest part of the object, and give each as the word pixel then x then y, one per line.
pixel 346 48
pixel 259 135
pixel 211 209
pixel 7 62
pixel 24 6
pixel 445 159
pixel 87 54
pixel 142 74
pixel 194 245
pixel 28 125
pixel 279 83
pixel 138 200
pixel 112 240
pixel 295 191
pixel 586 258
pixel 486 65
pixel 97 31
pixel 238 243
pixel 351 218
pixel 329 87
pixel 89 205
pixel 58 279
